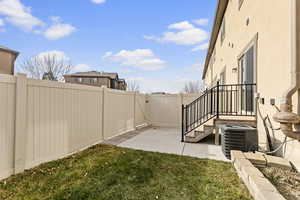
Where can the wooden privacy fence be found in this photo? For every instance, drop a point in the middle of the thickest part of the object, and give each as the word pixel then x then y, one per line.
pixel 42 121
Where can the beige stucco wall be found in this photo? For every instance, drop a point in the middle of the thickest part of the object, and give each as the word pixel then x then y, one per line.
pixel 270 21
pixel 6 62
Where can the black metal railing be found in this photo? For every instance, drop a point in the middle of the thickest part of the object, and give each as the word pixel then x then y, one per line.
pixel 221 100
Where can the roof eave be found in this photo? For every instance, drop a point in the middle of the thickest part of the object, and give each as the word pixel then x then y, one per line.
pixel 219 15
pixel 10 51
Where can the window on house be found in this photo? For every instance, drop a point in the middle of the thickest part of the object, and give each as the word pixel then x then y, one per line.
pixel 240 3
pixel 93 80
pixel 79 80
pixel 214 56
pixel 224 101
pixel 223 77
pixel 215 81
pixel 246 67
pixel 223 30
pixel 85 80
pixel 247 76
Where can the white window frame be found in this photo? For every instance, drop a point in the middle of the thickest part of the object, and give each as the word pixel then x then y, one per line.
pixel 223 30
pixel 252 44
pixel 240 3
pixel 223 76
pixel 79 80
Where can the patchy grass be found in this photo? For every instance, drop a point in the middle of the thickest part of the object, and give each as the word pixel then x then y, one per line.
pixel 112 173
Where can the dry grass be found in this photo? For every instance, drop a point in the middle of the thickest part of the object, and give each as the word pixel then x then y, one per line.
pixel 286 181
pixel 112 173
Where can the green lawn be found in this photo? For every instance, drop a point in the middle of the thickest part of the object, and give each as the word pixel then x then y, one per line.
pixel 112 173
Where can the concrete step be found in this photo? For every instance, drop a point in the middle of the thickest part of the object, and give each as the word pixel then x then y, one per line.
pixel 197 135
pixel 209 129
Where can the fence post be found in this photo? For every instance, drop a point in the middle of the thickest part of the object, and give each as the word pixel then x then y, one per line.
pixel 218 98
pixel 182 123
pixel 181 103
pixel 20 124
pixel 134 111
pixel 104 93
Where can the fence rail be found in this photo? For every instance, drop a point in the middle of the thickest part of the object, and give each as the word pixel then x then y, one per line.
pixel 221 100
pixel 42 121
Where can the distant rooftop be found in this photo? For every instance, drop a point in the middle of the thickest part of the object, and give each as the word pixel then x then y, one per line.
pixel 95 74
pixel 9 50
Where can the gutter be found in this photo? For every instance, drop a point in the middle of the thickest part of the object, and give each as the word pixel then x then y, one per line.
pixel 286 117
pixel 219 15
pixel 9 51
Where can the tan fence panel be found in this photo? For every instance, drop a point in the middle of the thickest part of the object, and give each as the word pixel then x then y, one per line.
pixel 7 119
pixel 140 110
pixel 61 119
pixel 189 98
pixel 118 112
pixel 164 110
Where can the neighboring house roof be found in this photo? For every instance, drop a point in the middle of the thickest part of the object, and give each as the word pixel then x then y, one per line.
pixel 122 80
pixel 159 93
pixel 219 15
pixel 95 74
pixel 9 50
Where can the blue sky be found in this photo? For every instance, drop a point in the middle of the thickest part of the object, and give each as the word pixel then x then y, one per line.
pixel 160 43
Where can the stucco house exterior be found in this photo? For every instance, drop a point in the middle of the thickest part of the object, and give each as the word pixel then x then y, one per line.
pixel 255 44
pixel 7 60
pixel 94 78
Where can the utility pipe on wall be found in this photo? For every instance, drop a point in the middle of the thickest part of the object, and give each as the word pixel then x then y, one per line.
pixel 285 117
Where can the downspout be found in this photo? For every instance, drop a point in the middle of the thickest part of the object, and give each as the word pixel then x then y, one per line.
pixel 286 117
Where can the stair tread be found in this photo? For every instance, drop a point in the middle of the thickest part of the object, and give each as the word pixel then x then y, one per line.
pixel 199 135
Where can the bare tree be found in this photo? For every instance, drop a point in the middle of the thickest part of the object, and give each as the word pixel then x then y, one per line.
pixel 47 67
pixel 193 87
pixel 133 86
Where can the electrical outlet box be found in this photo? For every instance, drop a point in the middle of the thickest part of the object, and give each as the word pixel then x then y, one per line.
pixel 272 101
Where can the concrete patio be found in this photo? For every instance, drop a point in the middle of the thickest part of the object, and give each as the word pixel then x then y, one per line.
pixel 167 140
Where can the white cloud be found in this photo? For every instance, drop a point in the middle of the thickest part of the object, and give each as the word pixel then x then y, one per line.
pixel 58 29
pixel 107 54
pixel 135 79
pixel 81 68
pixel 198 67
pixel 125 71
pixel 201 47
pixel 1 22
pixel 98 1
pixel 181 26
pixel 201 22
pixel 60 55
pixel 143 59
pixel 19 15
pixel 2 30
pixel 186 34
